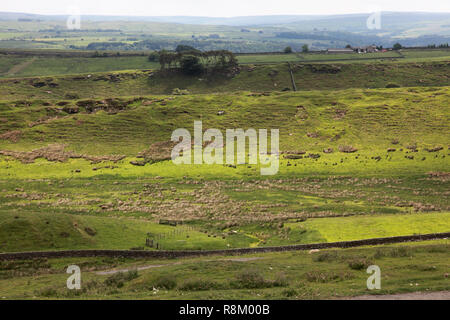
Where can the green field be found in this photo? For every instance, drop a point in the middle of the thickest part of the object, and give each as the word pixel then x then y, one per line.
pixel 262 78
pixel 385 175
pixel 330 274
pixel 51 63
pixel 84 149
pixel 45 231
pixel 369 120
pixel 324 57
pixel 50 66
pixel 55 228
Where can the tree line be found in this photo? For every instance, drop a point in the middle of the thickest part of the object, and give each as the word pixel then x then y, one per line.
pixel 191 61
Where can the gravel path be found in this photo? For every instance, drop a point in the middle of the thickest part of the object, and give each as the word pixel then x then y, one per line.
pixel 440 295
pixel 110 272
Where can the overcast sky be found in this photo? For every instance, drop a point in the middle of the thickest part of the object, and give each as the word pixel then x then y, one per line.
pixel 223 8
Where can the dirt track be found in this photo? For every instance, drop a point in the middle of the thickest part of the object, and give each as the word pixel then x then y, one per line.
pixel 440 295
pixel 109 272
pixel 19 67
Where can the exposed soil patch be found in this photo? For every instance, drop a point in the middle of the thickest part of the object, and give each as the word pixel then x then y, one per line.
pixel 323 68
pixel 339 113
pixel 312 135
pixel 413 148
pixel 44 120
pixel 112 106
pixel 293 156
pixel 347 149
pixel 159 151
pixel 302 114
pixel 13 136
pixel 441 176
pixel 43 83
pixel 436 149
pixel 56 152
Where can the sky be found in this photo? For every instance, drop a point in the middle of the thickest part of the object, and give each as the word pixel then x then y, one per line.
pixel 214 8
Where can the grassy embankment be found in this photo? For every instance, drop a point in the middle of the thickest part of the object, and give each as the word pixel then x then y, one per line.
pixel 328 274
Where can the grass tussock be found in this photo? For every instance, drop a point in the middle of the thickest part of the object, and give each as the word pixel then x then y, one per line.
pixel 397 252
pixel 119 279
pixel 327 276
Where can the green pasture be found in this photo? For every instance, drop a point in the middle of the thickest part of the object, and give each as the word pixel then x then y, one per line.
pixel 328 274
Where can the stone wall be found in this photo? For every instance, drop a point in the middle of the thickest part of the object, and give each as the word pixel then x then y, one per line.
pixel 178 254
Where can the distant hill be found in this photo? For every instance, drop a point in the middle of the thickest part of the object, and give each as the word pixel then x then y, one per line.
pixel 233 21
pixel 398 20
pixel 394 23
pixel 238 34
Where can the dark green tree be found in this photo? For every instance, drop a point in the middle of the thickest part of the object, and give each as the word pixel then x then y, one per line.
pixel 185 48
pixel 397 46
pixel 153 57
pixel 191 65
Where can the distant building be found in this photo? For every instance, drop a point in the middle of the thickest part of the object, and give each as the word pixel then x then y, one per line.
pixel 367 49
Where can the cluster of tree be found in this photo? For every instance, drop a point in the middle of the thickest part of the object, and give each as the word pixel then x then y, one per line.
pixel 185 48
pixel 397 46
pixel 305 48
pixel 108 46
pixel 423 41
pixel 353 38
pixel 204 45
pixel 105 54
pixel 191 61
pixel 294 40
pixel 433 46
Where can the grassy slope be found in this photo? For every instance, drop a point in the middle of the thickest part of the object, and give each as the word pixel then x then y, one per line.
pixel 372 119
pixel 259 78
pixel 54 230
pixel 50 66
pixel 367 119
pixel 33 231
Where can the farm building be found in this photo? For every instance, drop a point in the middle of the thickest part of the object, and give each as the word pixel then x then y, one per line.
pixel 367 49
